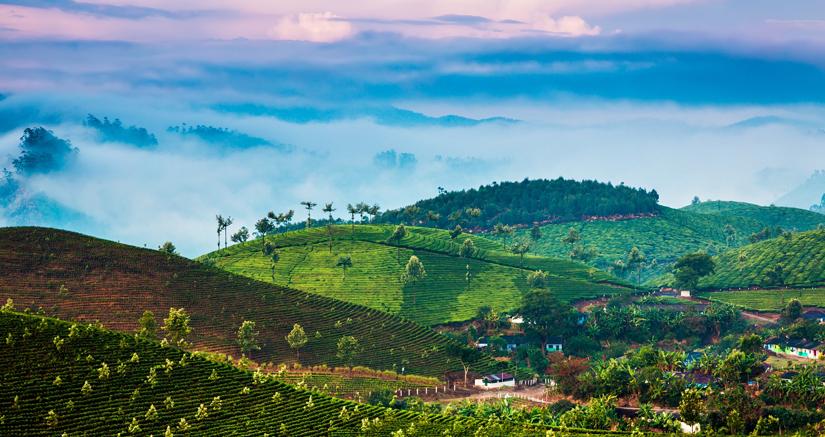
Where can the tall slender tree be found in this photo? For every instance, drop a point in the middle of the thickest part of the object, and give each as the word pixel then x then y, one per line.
pixel 508 232
pixel 274 257
pixel 412 212
pixel 572 238
pixel 345 262
pixel 352 210
pixel 433 217
pixel 535 235
pixel 221 222
pixel 297 338
pixel 309 205
pixel 330 229
pixel 397 235
pixel 637 260
pixel 363 208
pixel 226 223
pixel 520 248
pixel 329 209
pixel 413 273
pixel 374 211
pixel 263 227
pixel 498 231
pixel 288 217
pixel 454 234
pixel 467 250
pixel 276 219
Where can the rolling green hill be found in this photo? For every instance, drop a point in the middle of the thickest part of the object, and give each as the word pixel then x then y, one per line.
pixel 74 276
pixel 787 218
pixel 374 281
pixel 803 264
pixel 70 379
pixel 665 237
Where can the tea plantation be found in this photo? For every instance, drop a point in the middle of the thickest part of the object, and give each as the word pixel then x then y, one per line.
pixel 787 218
pixel 374 280
pixel 73 276
pixel 665 237
pixel 70 379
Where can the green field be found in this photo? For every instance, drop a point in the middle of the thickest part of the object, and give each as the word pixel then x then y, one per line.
pixel 787 218
pixel 135 387
pixel 115 283
pixel 666 238
pixel 767 300
pixel 374 281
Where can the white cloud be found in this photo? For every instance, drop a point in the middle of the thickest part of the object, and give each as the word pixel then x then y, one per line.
pixel 311 27
pixel 567 25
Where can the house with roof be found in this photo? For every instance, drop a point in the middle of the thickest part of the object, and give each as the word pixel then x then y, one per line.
pixel 511 341
pixel 794 347
pixel 814 316
pixel 497 380
pixel 554 344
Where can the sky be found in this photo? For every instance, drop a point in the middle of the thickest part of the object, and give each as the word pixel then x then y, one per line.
pixel 720 99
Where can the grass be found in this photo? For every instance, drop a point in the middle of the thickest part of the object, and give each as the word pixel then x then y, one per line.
pixel 116 283
pixel 236 402
pixel 375 280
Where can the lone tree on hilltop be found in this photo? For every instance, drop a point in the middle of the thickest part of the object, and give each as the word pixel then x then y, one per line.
pixel 309 205
pixel 345 262
pixel 413 273
pixel 148 326
pixel 168 247
pixel 465 355
pixel 297 338
pixel 397 235
pixel 241 236
pixel 691 267
pixel 535 235
pixel 177 324
pixel 545 317
pixel 248 338
pixel 264 227
pixel 572 238
pixel 348 351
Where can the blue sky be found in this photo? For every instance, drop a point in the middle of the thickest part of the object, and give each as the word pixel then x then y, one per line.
pixel 720 99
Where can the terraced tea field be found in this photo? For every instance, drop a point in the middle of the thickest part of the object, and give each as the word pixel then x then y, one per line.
pixel 78 277
pixel 766 300
pixel 375 281
pixel 787 218
pixel 666 238
pixel 61 378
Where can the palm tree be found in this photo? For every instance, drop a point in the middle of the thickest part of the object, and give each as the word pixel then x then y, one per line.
pixel 273 259
pixel 352 210
pixel 329 209
pixel 363 208
pixel 221 222
pixel 309 205
pixel 288 217
pixel 374 210
pixel 345 262
pixel 226 222
pixel 264 227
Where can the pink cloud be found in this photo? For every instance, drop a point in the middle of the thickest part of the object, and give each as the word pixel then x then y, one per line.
pixel 311 27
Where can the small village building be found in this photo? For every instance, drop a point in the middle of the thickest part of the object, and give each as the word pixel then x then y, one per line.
pixel 685 293
pixel 497 380
pixel 814 316
pixel 511 341
pixel 794 347
pixel 554 344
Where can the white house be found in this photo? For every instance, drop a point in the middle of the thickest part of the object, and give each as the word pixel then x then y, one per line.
pixel 497 380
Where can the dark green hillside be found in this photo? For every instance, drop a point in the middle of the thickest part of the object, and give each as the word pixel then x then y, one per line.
pixel 526 202
pixel 786 218
pixel 801 255
pixel 61 378
pixel 666 237
pixel 374 280
pixel 76 276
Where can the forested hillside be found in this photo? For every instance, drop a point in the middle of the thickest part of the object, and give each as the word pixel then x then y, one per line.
pixel 74 276
pixel 526 202
pixel 309 260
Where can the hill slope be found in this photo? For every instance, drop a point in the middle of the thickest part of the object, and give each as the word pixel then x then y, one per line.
pixel 665 237
pixel 45 365
pixel 116 283
pixel 787 218
pixel 375 279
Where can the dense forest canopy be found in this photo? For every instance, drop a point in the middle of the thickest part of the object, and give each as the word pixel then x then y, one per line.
pixel 224 136
pixel 532 201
